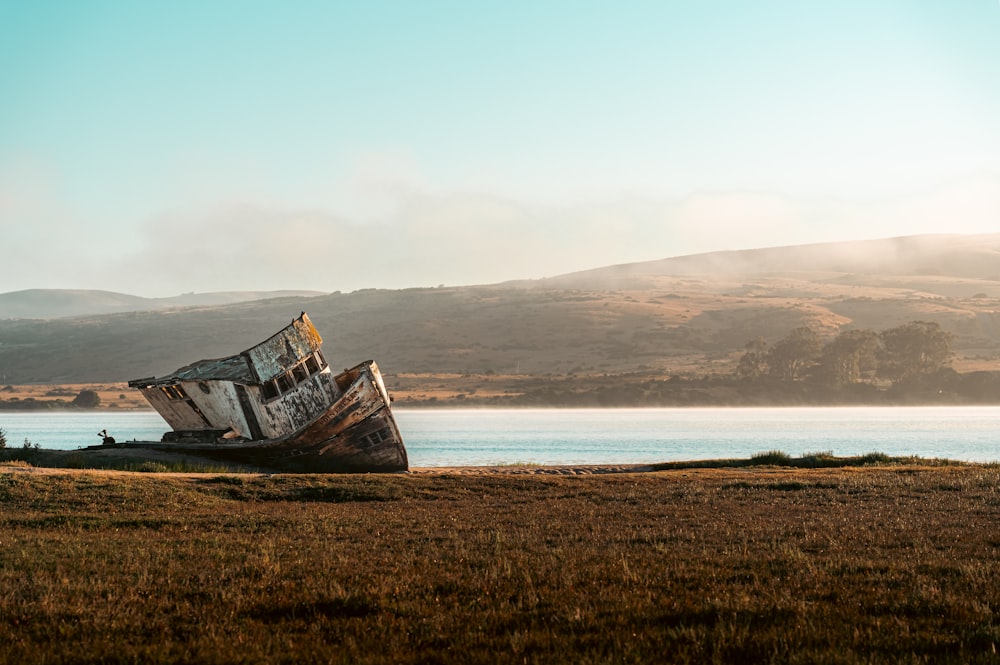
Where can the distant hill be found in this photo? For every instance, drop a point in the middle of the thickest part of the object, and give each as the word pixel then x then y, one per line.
pixel 971 257
pixel 57 303
pixel 691 314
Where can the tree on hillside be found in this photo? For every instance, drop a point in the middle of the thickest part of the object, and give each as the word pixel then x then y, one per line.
pixel 913 350
pixel 753 363
pixel 850 357
pixel 87 399
pixel 792 354
pixel 918 348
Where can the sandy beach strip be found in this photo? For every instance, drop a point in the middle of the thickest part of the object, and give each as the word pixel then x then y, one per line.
pixel 532 470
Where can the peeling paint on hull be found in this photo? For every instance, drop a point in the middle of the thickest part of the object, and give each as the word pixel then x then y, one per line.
pixel 278 407
pixel 356 435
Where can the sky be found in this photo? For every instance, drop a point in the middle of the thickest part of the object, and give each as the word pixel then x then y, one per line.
pixel 158 148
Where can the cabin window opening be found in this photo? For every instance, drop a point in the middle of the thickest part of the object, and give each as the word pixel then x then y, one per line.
pixel 270 390
pixel 204 387
pixel 321 359
pixel 174 392
pixel 378 436
pixel 284 384
pixel 312 365
pixel 300 373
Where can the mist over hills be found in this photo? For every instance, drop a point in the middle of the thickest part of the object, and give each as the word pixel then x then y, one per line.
pixel 56 303
pixel 973 257
pixel 684 314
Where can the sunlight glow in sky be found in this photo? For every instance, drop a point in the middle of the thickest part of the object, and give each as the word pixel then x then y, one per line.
pixel 157 148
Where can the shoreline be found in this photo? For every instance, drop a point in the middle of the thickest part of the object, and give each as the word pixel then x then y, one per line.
pixel 116 461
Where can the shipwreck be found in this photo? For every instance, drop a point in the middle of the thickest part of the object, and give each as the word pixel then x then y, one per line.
pixel 278 406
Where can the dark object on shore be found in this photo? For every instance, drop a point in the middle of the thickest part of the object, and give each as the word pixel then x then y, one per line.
pixel 105 439
pixel 277 405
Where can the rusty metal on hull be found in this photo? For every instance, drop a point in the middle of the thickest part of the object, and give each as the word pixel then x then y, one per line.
pixel 278 406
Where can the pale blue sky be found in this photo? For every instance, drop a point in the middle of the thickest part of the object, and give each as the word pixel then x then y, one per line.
pixel 156 148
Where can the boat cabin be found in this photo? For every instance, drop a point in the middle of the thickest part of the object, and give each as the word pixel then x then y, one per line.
pixel 269 391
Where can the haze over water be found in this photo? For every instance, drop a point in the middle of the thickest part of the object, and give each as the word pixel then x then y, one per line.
pixel 469 437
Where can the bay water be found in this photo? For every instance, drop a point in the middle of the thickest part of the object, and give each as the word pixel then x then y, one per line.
pixel 480 437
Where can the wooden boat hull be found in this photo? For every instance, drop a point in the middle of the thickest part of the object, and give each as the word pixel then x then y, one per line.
pixel 356 434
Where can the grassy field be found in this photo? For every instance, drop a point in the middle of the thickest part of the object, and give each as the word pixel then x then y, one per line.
pixel 848 565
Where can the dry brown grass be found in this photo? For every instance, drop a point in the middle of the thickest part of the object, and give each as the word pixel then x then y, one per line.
pixel 731 565
pixel 113 395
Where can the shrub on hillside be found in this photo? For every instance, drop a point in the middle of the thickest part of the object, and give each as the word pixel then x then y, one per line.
pixel 87 399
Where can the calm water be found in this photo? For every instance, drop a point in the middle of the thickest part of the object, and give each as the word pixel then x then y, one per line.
pixel 469 437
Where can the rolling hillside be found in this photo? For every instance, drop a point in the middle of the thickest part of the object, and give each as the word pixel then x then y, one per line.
pixel 687 314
